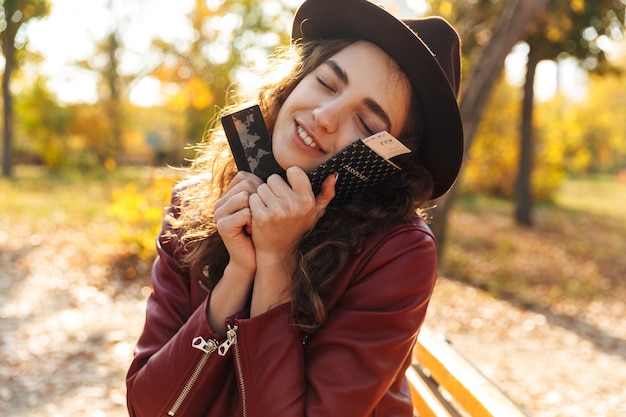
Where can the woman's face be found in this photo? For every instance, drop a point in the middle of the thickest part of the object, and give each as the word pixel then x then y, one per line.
pixel 357 92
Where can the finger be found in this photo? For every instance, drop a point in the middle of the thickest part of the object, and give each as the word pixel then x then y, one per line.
pixel 298 180
pixel 233 225
pixel 268 208
pixel 231 205
pixel 242 176
pixel 245 183
pixel 327 193
pixel 274 190
pixel 278 186
pixel 258 208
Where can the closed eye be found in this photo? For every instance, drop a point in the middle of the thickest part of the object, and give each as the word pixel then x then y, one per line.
pixel 325 85
pixel 365 126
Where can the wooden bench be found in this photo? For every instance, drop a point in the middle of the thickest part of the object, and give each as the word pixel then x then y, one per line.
pixel 445 384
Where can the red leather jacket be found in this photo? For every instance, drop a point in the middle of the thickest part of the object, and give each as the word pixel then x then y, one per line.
pixel 353 366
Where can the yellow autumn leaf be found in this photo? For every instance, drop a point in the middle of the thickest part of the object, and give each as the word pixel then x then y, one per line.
pixel 200 93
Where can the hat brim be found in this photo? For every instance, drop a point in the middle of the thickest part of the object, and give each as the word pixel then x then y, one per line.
pixel 441 149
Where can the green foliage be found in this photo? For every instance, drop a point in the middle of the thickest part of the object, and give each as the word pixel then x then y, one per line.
pixel 474 20
pixel 91 129
pixel 13 15
pixel 492 164
pixel 492 161
pixel 58 136
pixel 138 212
pixel 574 27
pixel 589 134
pixel 578 28
pixel 44 123
pixel 229 37
pixel 571 138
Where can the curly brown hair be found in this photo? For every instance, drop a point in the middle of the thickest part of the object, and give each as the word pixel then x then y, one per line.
pixel 323 252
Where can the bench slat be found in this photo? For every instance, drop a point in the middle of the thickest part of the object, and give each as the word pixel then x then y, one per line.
pixel 472 390
pixel 425 401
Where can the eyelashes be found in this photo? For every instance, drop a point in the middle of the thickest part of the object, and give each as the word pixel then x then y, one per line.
pixel 325 85
pixel 364 125
pixel 360 120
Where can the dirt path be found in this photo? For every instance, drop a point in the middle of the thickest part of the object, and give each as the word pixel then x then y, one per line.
pixel 67 334
pixel 566 361
pixel 65 337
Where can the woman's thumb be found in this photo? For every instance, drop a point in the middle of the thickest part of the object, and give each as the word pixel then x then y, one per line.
pixel 327 192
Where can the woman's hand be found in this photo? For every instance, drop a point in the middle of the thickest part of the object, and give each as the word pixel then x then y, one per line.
pixel 282 213
pixel 233 219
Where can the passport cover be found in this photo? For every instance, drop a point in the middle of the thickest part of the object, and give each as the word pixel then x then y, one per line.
pixel 250 142
pixel 359 167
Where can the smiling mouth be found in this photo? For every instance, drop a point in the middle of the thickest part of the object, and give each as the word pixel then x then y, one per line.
pixel 306 138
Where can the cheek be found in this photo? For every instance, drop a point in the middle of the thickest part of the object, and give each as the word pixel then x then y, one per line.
pixel 298 100
pixel 284 113
pixel 350 135
pixel 304 94
pixel 283 118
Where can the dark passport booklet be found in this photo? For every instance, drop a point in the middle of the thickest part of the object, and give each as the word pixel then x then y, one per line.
pixel 250 142
pixel 360 165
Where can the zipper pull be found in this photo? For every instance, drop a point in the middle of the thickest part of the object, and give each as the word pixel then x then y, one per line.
pixel 231 339
pixel 207 346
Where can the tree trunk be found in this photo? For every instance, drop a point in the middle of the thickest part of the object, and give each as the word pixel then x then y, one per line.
pixel 8 49
pixel 511 28
pixel 7 148
pixel 114 144
pixel 523 185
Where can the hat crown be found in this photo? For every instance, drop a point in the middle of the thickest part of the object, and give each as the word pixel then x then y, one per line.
pixel 443 42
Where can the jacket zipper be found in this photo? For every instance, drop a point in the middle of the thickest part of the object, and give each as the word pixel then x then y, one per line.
pixel 242 386
pixel 208 347
pixel 231 341
pixel 204 287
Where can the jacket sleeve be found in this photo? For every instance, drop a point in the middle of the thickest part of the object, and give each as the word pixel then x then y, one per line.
pixel 358 359
pixel 172 359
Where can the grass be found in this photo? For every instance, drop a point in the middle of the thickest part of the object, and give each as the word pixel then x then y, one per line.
pixel 66 198
pixel 52 200
pixel 598 197
pixel 574 252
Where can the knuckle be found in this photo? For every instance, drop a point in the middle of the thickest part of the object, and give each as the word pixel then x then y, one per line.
pixel 242 196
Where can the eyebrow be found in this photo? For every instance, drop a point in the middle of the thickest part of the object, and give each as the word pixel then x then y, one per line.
pixel 369 102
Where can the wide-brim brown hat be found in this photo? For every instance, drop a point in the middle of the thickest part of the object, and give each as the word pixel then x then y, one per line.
pixel 427 50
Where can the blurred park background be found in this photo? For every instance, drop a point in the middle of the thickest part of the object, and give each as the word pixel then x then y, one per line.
pixel 103 101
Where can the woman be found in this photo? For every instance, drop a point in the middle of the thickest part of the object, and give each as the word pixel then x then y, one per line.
pixel 272 301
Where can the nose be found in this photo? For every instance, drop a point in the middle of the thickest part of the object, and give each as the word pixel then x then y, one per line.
pixel 325 117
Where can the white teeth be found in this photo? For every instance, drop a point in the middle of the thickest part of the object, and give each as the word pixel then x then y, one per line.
pixel 306 138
